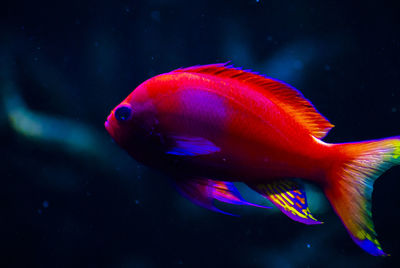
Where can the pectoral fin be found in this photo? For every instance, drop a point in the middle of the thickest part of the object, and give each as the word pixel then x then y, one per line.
pixel 289 197
pixel 190 146
pixel 203 192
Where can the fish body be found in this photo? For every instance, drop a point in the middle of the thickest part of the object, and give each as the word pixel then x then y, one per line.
pixel 208 126
pixel 254 136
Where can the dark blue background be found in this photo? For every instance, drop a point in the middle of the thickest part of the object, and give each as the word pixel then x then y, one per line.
pixel 71 198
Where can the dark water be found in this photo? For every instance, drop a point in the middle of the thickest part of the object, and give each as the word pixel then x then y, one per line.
pixel 71 198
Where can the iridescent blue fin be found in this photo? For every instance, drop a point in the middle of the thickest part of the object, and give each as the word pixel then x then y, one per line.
pixel 289 197
pixel 203 192
pixel 190 146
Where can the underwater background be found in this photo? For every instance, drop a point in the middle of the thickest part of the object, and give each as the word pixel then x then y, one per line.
pixel 70 197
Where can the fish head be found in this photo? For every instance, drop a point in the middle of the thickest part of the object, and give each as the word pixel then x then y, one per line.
pixel 133 125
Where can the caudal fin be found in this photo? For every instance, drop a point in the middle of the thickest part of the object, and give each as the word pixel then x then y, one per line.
pixel 349 186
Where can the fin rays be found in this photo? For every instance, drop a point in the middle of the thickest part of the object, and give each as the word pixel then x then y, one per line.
pixel 289 198
pixel 286 96
pixel 203 192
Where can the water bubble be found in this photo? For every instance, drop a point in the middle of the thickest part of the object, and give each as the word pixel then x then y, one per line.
pixel 308 245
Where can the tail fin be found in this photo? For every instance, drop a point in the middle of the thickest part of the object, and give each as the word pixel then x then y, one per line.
pixel 349 186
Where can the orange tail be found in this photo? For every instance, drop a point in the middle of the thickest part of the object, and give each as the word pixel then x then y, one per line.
pixel 349 186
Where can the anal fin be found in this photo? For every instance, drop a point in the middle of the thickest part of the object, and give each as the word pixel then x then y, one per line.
pixel 289 197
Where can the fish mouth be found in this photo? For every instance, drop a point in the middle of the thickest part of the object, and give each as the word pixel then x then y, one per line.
pixel 107 124
pixel 108 127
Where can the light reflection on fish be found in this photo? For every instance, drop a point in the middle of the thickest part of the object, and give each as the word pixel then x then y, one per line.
pixel 208 126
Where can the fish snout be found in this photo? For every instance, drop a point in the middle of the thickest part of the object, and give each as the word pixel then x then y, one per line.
pixel 107 124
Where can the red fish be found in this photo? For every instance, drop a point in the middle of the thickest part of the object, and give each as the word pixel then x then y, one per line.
pixel 208 126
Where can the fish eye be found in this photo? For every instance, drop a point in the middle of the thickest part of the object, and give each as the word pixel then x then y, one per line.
pixel 123 113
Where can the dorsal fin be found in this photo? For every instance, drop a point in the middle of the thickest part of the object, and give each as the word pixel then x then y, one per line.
pixel 280 93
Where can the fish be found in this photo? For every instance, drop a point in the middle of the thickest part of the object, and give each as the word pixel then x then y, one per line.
pixel 209 126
